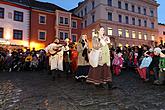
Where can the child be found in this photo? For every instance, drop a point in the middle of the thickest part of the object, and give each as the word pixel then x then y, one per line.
pixel 117 63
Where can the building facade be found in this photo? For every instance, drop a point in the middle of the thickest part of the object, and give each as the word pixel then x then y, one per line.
pixel 35 24
pixel 126 22
pixel 14 23
pixel 161 37
pixel 49 21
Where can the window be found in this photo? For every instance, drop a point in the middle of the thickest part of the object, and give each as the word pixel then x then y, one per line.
pixel 139 20
pixel 93 18
pixel 109 2
pixel 119 4
pixel 145 36
pixel 66 35
pixel 17 34
pixel 2 11
pixel 133 8
pixel 18 16
pixel 144 11
pixel 139 10
pixel 120 32
pixel 110 31
pixel 133 34
pixel 85 23
pixel 66 20
pixel 127 33
pixel 151 13
pixel 74 38
pixel 140 35
pixel 126 6
pixel 85 10
pixel 74 24
pixel 61 35
pixel 81 25
pixel 120 18
pixel 126 20
pixel 61 20
pixel 133 21
pixel 42 35
pixel 93 4
pixel 82 13
pixel 152 25
pixel 1 32
pixel 152 37
pixel 109 16
pixel 42 19
pixel 163 32
pixel 145 23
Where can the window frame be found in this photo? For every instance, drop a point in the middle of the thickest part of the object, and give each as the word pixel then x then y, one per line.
pixel 17 38
pixel 39 38
pixel 3 12
pixel 41 15
pixel 19 14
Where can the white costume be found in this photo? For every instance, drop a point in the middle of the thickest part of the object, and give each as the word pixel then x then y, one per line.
pixel 56 58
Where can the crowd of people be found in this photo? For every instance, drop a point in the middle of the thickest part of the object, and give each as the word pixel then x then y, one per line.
pixel 18 60
pixel 94 65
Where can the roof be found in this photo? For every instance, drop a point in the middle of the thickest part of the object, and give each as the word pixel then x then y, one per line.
pixel 45 6
pixel 161 24
pixel 19 2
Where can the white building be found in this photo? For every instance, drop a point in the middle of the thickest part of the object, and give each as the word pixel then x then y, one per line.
pixel 127 22
pixel 14 23
pixel 161 36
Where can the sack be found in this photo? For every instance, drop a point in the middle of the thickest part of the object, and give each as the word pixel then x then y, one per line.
pixel 94 57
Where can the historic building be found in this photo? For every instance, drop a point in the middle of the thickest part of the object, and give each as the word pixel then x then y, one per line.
pixel 14 23
pixel 161 37
pixel 32 23
pixel 127 22
pixel 49 21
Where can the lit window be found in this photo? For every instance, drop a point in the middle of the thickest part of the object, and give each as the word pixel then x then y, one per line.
pixel 152 37
pixel 127 33
pixel 145 36
pixel 133 34
pixel 120 32
pixel 110 31
pixel 140 35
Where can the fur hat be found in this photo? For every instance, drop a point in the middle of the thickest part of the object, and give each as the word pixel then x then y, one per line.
pixel 157 50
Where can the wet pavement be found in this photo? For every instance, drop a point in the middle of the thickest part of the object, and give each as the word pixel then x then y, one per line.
pixel 36 91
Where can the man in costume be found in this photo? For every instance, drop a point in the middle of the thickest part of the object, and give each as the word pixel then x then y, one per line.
pixel 55 57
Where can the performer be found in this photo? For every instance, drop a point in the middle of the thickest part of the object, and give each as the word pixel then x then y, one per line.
pixel 67 58
pixel 83 65
pixel 55 57
pixel 100 73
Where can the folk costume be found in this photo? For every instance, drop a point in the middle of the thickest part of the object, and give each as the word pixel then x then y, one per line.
pixel 99 58
pixel 83 62
pixel 55 58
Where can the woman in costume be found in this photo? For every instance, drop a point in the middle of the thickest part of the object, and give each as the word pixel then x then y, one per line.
pixel 83 65
pixel 99 73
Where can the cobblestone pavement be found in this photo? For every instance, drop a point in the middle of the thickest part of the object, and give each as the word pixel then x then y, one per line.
pixel 36 91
